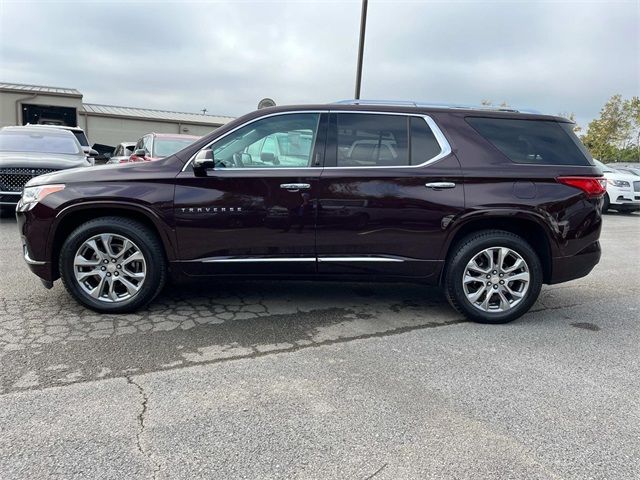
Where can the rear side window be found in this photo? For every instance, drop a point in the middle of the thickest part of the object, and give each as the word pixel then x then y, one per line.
pixel 533 141
pixel 424 145
pixel 370 140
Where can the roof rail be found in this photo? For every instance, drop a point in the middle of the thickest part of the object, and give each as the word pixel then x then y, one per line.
pixel 411 103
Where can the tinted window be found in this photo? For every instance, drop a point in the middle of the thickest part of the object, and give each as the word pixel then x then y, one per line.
pixel 40 142
pixel 274 142
pixel 424 145
pixel 81 137
pixel 369 140
pixel 532 141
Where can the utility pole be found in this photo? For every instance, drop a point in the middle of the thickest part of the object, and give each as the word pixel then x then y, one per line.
pixel 363 26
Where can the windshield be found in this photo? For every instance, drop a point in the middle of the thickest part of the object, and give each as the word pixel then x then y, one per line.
pixel 38 142
pixel 166 147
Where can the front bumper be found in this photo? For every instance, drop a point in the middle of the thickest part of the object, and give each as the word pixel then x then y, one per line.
pixel 623 196
pixel 34 251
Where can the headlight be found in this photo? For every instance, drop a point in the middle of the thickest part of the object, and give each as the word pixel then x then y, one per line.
pixel 619 183
pixel 33 195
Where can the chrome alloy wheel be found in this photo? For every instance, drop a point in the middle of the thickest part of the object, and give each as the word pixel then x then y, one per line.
pixel 496 280
pixel 110 268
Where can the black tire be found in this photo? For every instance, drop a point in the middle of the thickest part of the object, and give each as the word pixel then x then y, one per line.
pixel 606 204
pixel 469 247
pixel 149 245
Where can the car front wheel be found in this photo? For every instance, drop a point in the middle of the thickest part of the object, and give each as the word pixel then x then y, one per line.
pixel 494 276
pixel 113 264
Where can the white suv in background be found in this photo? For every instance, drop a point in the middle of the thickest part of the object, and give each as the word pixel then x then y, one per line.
pixel 623 190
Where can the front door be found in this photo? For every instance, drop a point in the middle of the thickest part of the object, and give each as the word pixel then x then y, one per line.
pixel 255 211
pixel 389 186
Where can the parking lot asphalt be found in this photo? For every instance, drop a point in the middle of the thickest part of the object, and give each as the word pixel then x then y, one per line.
pixel 322 380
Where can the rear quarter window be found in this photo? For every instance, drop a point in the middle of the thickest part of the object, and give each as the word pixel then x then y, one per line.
pixel 544 142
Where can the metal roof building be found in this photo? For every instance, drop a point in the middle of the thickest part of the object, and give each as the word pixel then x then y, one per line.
pixel 105 125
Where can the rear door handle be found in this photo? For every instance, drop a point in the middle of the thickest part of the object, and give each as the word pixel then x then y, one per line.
pixel 440 185
pixel 295 187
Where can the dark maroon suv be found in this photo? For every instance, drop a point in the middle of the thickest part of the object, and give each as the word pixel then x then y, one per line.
pixel 489 204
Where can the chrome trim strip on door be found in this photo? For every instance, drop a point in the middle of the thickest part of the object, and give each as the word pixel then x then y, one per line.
pixel 372 258
pixel 359 259
pixel 251 260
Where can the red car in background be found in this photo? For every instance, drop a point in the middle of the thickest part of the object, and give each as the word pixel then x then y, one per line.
pixel 154 146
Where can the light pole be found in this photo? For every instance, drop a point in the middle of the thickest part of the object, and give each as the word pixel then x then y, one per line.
pixel 363 26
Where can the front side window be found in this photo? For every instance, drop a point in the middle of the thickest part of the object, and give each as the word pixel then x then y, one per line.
pixel 282 141
pixel 370 140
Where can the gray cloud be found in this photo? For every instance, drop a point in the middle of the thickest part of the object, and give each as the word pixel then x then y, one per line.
pixel 552 56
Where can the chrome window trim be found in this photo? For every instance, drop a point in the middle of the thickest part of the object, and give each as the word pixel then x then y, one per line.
pixel 249 123
pixel 445 147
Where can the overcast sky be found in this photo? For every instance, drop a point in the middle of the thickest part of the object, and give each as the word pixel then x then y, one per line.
pixel 549 55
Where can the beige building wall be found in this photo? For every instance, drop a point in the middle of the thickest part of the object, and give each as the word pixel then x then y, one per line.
pixel 114 130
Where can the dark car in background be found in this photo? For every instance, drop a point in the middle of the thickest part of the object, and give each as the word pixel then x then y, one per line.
pixel 29 151
pixel 489 204
pixel 154 146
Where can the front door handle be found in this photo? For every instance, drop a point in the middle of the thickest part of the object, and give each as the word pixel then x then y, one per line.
pixel 295 187
pixel 440 185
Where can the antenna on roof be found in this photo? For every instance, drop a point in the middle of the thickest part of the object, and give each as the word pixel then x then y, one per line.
pixel 204 111
pixel 265 103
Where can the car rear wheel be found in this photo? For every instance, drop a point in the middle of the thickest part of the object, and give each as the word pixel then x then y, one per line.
pixel 493 277
pixel 606 203
pixel 113 264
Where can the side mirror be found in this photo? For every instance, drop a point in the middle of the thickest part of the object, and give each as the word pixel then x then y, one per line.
pixel 90 152
pixel 140 152
pixel 203 161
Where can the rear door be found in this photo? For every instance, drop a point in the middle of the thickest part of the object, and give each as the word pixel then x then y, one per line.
pixel 255 212
pixel 389 186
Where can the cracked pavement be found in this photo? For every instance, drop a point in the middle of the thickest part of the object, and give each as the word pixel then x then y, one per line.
pixel 322 380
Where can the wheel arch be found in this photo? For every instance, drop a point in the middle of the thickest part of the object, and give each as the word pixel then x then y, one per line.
pixel 530 228
pixel 72 217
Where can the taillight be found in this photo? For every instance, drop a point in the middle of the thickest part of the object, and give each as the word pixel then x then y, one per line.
pixel 592 186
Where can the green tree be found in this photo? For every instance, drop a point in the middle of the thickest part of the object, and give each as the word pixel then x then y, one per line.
pixel 571 116
pixel 615 134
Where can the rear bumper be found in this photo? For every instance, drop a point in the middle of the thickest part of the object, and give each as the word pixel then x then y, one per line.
pixel 564 269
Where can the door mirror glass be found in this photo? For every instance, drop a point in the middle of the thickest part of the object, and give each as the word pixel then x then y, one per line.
pixel 140 152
